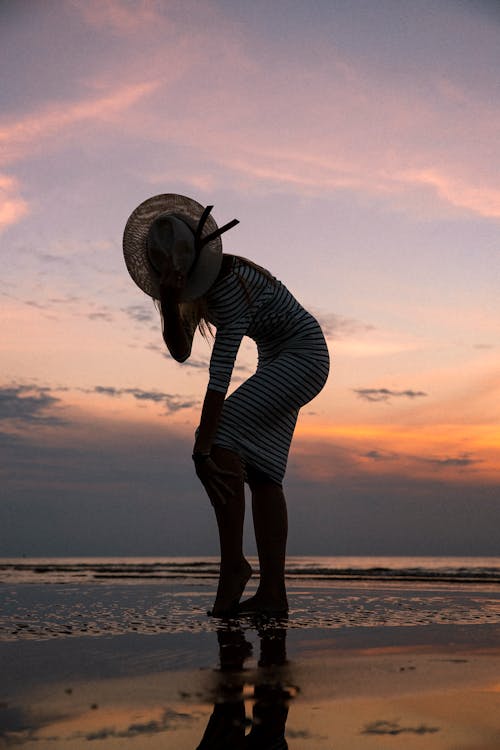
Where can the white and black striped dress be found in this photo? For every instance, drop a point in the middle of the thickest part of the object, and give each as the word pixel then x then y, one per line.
pixel 258 418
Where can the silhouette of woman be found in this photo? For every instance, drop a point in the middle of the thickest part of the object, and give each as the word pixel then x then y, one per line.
pixel 173 251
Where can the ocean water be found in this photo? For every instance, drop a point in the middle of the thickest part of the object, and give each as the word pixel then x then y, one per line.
pixel 60 598
pixel 459 570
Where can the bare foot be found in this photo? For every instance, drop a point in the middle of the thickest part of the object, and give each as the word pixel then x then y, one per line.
pixel 260 604
pixel 231 587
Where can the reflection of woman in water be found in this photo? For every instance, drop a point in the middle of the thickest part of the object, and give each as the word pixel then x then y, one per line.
pixel 173 251
pixel 271 694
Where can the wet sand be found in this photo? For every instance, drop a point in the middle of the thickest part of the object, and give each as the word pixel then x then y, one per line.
pixel 363 667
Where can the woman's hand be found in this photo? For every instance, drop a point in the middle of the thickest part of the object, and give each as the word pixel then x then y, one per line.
pixel 215 480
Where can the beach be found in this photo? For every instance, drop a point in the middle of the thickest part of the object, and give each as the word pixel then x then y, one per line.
pixel 367 660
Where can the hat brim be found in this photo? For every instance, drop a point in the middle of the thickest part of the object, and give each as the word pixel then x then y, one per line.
pixel 135 235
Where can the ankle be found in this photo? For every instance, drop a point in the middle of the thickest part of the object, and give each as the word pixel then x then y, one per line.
pixel 235 567
pixel 271 593
pixel 271 586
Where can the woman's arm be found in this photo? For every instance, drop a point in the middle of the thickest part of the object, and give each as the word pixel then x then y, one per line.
pixel 210 415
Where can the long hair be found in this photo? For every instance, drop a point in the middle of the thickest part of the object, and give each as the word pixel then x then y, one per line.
pixel 194 314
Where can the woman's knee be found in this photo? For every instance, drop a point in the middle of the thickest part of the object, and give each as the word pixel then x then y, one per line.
pixel 228 460
pixel 265 489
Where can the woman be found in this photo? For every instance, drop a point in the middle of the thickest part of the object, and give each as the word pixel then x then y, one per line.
pixel 173 251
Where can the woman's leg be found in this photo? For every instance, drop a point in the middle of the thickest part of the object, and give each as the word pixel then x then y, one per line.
pixel 234 568
pixel 270 522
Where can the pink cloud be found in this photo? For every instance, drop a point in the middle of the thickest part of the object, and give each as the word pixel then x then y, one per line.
pixel 341 167
pixel 480 199
pixel 18 136
pixel 317 127
pixel 12 206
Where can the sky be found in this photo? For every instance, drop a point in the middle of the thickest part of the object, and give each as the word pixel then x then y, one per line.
pixel 357 143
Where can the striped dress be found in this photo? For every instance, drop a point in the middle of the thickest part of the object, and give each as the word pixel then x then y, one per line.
pixel 259 417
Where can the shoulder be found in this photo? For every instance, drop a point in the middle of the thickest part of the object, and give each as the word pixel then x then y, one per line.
pixel 240 277
pixel 252 274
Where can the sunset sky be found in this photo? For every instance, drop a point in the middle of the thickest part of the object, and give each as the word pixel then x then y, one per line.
pixel 358 144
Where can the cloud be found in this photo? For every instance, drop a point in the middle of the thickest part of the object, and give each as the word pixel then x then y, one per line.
pixel 462 460
pixel 320 166
pixel 28 405
pixel 27 133
pixel 105 316
pixel 384 452
pixel 12 206
pixel 376 455
pixel 376 395
pixel 35 303
pixel 171 402
pixel 196 364
pixel 379 156
pixel 480 199
pixel 51 258
pixel 383 156
pixel 139 313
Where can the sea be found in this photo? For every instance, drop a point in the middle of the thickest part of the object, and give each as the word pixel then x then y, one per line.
pixel 62 597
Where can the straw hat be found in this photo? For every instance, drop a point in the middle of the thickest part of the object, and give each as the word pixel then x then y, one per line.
pixel 182 229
